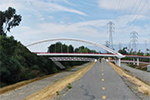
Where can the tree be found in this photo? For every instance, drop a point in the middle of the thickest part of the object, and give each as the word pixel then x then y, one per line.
pixel 123 51
pixel 71 49
pixel 8 20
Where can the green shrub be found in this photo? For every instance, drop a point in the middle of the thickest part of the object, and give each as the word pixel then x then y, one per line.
pixel 69 86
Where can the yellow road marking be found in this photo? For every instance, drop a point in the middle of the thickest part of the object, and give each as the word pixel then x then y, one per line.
pixel 102 79
pixel 103 88
pixel 102 73
pixel 103 97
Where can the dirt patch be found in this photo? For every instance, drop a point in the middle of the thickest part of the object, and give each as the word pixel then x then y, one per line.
pixel 141 86
pixel 53 90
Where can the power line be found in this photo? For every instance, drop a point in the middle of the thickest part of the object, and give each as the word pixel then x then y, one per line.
pixel 140 11
pixel 145 45
pixel 118 2
pixel 136 9
pixel 119 6
pixel 133 13
pixel 133 7
pixel 120 46
pixel 129 13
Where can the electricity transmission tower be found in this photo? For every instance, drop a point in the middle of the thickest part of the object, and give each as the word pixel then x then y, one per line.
pixel 110 30
pixel 120 46
pixel 148 43
pixel 129 45
pixel 107 45
pixel 134 40
pixel 145 46
pixel 149 40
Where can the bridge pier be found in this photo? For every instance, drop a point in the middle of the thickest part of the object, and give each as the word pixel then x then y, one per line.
pixel 118 61
pixel 137 61
pixel 133 61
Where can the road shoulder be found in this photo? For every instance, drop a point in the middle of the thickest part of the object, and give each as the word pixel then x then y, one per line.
pixel 140 88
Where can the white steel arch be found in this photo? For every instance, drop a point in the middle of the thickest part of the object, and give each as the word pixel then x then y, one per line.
pixel 118 55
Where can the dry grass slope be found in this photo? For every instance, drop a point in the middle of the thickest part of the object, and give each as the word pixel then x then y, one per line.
pixel 142 87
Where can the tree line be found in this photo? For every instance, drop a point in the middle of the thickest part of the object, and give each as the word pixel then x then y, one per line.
pixel 126 51
pixel 63 48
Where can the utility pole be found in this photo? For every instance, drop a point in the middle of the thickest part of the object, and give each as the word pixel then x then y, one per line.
pixel 134 40
pixel 149 42
pixel 107 45
pixel 129 46
pixel 120 46
pixel 145 46
pixel 110 31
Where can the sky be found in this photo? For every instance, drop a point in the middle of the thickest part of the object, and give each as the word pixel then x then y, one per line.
pixel 81 19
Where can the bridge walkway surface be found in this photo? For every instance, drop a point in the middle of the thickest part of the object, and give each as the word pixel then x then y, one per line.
pixel 100 82
pixel 24 91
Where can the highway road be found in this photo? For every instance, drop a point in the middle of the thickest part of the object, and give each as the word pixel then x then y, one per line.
pixel 100 83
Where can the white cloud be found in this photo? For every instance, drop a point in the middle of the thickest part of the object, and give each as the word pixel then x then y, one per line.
pixel 50 30
pixel 52 7
pixel 34 5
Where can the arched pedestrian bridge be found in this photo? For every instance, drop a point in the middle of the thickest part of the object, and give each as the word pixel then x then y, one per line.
pixel 113 53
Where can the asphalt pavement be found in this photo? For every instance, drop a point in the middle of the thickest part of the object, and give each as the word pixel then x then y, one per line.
pixel 99 83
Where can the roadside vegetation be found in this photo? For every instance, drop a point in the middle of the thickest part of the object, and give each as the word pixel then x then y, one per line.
pixel 140 67
pixel 17 63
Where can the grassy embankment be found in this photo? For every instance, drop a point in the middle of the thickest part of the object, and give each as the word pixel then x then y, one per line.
pixel 141 66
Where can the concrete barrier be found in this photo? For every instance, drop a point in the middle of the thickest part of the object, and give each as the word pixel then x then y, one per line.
pixel 148 68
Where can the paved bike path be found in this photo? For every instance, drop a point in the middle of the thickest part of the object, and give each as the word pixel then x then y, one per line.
pixel 100 83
